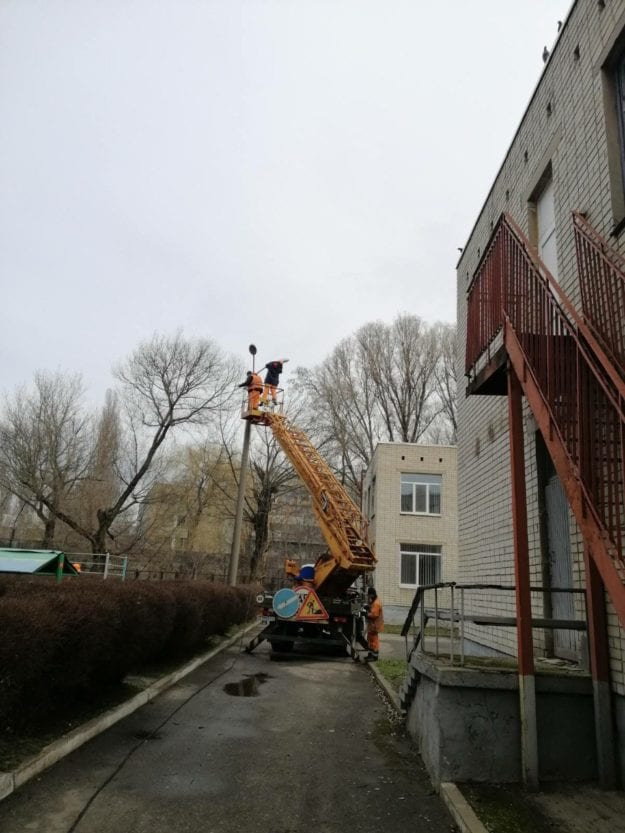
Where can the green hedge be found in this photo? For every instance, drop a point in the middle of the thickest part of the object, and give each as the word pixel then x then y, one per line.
pixel 71 640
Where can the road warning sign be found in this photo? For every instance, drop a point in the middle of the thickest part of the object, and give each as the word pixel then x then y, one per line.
pixel 311 609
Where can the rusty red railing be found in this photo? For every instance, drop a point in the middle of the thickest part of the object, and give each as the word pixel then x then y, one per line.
pixel 602 287
pixel 512 288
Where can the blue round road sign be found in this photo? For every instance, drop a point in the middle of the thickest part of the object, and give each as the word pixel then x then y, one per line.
pixel 286 603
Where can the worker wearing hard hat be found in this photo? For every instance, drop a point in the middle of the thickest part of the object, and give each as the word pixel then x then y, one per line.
pixel 375 624
pixel 254 385
pixel 272 380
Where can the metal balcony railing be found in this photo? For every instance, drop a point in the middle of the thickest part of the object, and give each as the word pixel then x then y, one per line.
pixel 602 286
pixel 513 292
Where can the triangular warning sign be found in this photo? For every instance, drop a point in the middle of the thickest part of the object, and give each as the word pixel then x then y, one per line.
pixel 311 608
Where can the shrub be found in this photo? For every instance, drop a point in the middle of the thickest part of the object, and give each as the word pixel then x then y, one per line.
pixel 69 640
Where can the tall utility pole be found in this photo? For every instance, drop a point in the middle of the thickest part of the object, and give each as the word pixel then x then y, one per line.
pixel 238 516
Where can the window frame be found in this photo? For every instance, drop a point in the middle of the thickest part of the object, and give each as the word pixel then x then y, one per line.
pixel 612 66
pixel 427 484
pixel 618 80
pixel 426 550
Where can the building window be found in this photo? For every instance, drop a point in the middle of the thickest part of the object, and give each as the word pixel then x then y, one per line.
pixel 420 564
pixel 619 86
pixel 613 80
pixel 372 513
pixel 421 494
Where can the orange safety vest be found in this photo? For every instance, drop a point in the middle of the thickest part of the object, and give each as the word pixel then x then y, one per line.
pixel 376 616
pixel 256 383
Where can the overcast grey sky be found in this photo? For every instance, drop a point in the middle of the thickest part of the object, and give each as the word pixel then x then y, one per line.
pixel 277 171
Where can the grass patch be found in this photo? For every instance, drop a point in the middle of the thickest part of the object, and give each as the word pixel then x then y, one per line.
pixel 495 663
pixel 443 630
pixel 506 809
pixel 393 670
pixel 392 628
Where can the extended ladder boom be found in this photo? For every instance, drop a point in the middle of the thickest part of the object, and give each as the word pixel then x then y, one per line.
pixel 341 521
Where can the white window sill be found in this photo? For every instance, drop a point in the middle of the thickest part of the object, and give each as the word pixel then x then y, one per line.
pixel 423 514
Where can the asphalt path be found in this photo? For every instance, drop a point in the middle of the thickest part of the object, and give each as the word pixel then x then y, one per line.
pixel 245 743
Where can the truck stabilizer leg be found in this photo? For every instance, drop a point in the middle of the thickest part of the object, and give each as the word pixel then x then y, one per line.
pixel 254 643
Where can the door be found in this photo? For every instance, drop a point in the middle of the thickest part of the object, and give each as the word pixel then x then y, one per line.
pixel 565 642
pixel 546 224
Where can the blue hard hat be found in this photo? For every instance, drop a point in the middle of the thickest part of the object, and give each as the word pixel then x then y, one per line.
pixel 307 572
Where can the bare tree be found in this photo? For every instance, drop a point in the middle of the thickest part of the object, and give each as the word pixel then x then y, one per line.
pixel 101 483
pixel 166 383
pixel 383 383
pixel 445 375
pixel 270 475
pixel 401 360
pixel 186 516
pixel 340 404
pixel 45 446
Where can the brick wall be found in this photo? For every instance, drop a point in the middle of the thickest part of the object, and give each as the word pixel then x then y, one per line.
pixel 566 126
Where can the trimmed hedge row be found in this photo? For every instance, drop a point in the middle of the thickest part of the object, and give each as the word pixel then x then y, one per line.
pixel 69 641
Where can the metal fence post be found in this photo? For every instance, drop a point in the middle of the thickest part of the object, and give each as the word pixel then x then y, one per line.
pixel 436 621
pixel 59 567
pixel 124 567
pixel 453 624
pixel 107 558
pixel 462 626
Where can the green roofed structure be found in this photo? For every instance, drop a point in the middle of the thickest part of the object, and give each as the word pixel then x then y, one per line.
pixel 42 562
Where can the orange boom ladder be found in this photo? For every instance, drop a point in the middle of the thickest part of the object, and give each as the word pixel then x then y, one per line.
pixel 348 558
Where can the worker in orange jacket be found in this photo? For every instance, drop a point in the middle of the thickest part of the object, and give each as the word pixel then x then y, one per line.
pixel 375 624
pixel 254 385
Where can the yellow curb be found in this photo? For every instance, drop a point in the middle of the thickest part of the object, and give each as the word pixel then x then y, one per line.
pixel 462 812
pixel 386 687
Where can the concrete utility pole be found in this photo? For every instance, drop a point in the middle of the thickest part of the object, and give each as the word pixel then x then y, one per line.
pixel 238 516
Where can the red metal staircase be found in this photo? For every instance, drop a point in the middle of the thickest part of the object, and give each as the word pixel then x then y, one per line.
pixel 571 372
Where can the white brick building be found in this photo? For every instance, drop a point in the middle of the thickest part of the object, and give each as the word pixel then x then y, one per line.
pixel 567 155
pixel 410 499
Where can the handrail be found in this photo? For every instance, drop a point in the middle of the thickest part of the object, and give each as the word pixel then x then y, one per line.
pixel 459 615
pixel 602 287
pixel 485 312
pixel 579 386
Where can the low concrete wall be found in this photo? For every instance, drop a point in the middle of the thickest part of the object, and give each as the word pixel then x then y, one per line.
pixel 466 723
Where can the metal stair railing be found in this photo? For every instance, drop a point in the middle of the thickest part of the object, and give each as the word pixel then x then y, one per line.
pixel 602 287
pixel 575 388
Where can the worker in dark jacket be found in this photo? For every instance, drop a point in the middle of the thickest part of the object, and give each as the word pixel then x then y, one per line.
pixel 272 380
pixel 254 385
pixel 375 624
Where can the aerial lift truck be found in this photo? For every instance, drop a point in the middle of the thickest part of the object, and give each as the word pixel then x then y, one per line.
pixel 325 602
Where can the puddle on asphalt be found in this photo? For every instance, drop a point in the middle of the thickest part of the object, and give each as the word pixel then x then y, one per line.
pixel 248 686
